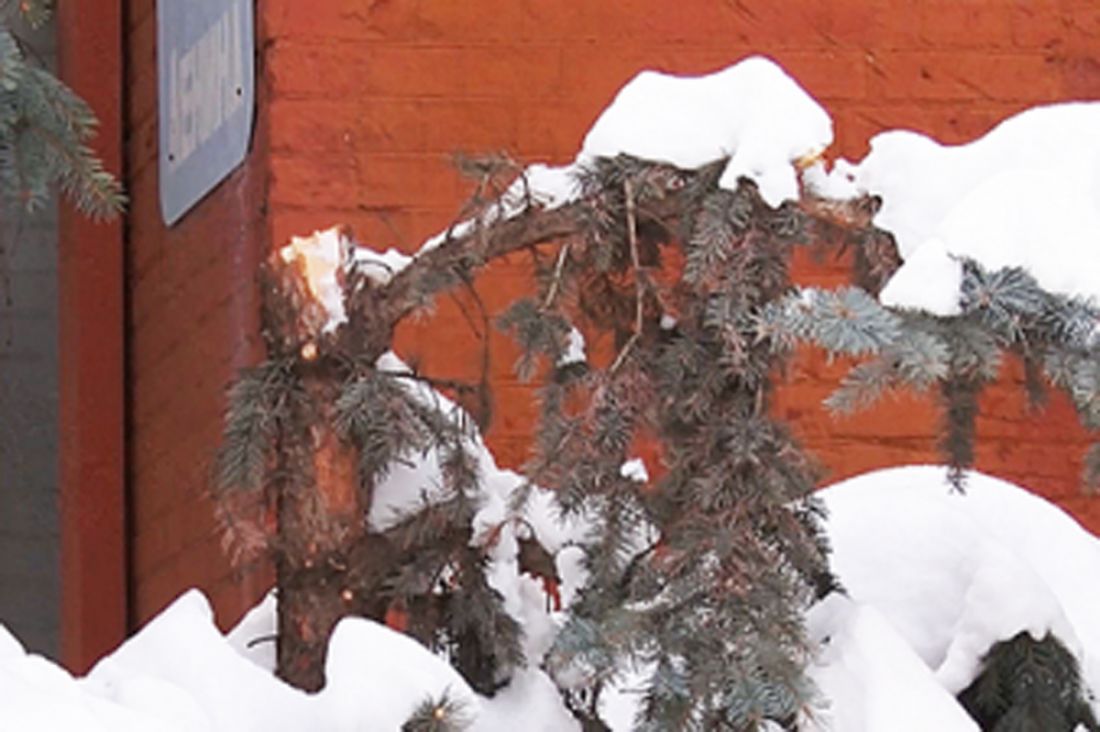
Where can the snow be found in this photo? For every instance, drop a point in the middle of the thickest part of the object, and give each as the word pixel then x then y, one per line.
pixel 179 674
pixel 380 267
pixel 950 573
pixel 545 186
pixel 934 577
pixel 253 637
pixel 574 349
pixel 1026 194
pixel 930 279
pixel 634 469
pixel 398 671
pixel 753 112
pixel 871 678
pixel 321 257
pixel 181 667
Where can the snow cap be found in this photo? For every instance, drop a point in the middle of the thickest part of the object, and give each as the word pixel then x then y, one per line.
pixel 753 113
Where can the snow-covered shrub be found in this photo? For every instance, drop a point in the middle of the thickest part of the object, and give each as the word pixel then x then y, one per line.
pixel 673 232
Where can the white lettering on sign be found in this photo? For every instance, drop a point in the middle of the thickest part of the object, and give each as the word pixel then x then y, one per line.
pixel 205 85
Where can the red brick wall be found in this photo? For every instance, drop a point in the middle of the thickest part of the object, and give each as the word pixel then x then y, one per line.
pixel 364 101
pixel 192 320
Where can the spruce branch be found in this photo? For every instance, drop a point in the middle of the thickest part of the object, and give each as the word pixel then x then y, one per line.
pixel 639 292
pixel 556 280
pixel 44 131
pixel 443 714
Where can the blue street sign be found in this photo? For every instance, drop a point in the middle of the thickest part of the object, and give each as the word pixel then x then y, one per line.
pixel 205 65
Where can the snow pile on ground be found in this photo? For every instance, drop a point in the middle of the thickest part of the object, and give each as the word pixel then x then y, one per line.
pixel 871 680
pixel 1027 194
pixel 935 577
pixel 179 674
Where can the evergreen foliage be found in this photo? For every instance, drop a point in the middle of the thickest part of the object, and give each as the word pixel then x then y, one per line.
pixel 445 714
pixel 701 577
pixel 1029 685
pixel 1002 312
pixel 45 128
pixel 434 574
pixel 698 577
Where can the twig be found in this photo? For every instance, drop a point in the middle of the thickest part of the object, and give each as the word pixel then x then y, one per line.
pixel 555 284
pixel 252 643
pixel 458 386
pixel 639 290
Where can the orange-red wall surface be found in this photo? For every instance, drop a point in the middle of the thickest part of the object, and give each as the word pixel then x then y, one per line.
pixel 362 102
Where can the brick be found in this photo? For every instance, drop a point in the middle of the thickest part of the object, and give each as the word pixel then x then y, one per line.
pixel 967 75
pixel 426 21
pixel 511 71
pixel 292 18
pixel 923 75
pixel 331 178
pixel 828 74
pixel 1025 77
pixel 1080 77
pixel 553 131
pixel 594 72
pixel 352 70
pixel 384 125
pixel 377 227
pixel 965 24
pixel 474 126
pixel 894 26
pixel 373 180
pixel 645 22
pixel 461 22
pixel 1037 23
pixel 844 459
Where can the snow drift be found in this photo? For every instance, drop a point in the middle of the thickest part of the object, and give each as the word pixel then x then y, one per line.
pixel 934 578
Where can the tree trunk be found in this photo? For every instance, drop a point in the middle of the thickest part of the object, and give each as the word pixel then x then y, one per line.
pixel 320 507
